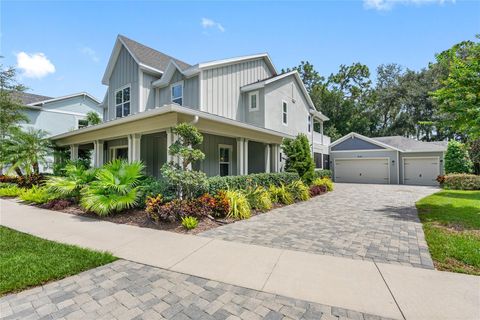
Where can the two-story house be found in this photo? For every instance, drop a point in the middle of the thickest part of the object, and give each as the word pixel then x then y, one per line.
pixel 243 107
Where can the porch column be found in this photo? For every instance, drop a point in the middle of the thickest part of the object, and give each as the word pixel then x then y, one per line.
pixel 74 152
pixel 321 131
pixel 275 158
pixel 267 158
pixel 134 147
pixel 245 156
pixel 98 153
pixel 169 143
pixel 240 156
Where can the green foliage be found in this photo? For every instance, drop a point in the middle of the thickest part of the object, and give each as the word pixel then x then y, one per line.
pixel 93 118
pixel 459 96
pixel 474 152
pixel 258 198
pixel 322 173
pixel 299 190
pixel 461 182
pixel 37 195
pixel 189 222
pixel 326 182
pixel 299 157
pixel 281 194
pixel 239 207
pixel 75 178
pixel 217 183
pixel 11 109
pixel 62 158
pixel 10 191
pixel 457 159
pixel 115 188
pixel 187 184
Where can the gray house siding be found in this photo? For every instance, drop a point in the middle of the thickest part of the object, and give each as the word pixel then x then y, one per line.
pixel 148 95
pixel 210 146
pixel 153 152
pixel 355 144
pixel 221 87
pixel 191 93
pixel 287 90
pixel 124 73
pixel 391 155
pixel 256 157
pixel 440 155
pixel 255 117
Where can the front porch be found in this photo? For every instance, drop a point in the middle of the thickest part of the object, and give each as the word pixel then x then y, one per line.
pixel 230 148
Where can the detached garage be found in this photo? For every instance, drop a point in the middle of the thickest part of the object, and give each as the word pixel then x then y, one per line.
pixel 386 160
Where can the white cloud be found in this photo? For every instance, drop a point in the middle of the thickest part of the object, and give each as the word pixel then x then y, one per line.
pixel 35 65
pixel 89 52
pixel 385 5
pixel 209 23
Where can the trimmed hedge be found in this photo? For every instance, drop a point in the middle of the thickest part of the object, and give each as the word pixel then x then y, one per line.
pixel 461 181
pixel 265 180
pixel 322 173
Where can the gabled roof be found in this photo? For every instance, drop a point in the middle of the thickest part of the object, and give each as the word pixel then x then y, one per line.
pixel 86 94
pixel 29 98
pixel 146 57
pixel 359 136
pixel 411 145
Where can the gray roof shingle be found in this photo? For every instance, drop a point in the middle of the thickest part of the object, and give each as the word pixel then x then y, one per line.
pixel 407 144
pixel 151 57
pixel 28 98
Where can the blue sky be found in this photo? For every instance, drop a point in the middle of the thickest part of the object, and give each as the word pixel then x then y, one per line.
pixel 63 47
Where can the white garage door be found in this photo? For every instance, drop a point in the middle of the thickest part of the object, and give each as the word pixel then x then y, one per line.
pixel 421 171
pixel 373 170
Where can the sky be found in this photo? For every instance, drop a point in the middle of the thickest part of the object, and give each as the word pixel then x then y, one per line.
pixel 63 47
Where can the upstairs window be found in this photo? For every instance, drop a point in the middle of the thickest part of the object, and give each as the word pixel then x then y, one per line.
pixel 177 93
pixel 82 123
pixel 253 101
pixel 309 123
pixel 122 102
pixel 284 112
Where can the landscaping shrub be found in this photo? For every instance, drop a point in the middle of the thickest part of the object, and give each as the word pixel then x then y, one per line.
pixel 7 185
pixel 281 194
pixel 299 157
pixel 11 191
pixel 115 188
pixel 218 205
pixel 38 195
pixel 299 190
pixel 322 173
pixel 254 180
pixel 75 178
pixel 239 207
pixel 258 198
pixel 317 190
pixel 8 179
pixel 151 187
pixel 189 222
pixel 34 179
pixel 457 159
pixel 461 181
pixel 323 182
pixel 58 204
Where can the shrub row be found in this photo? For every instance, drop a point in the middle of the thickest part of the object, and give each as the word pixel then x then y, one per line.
pixel 323 173
pixel 460 181
pixel 265 180
pixel 36 179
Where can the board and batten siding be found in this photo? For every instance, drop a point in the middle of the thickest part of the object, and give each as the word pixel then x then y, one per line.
pixel 153 152
pixel 221 87
pixel 125 72
pixel 148 95
pixel 191 93
pixel 210 146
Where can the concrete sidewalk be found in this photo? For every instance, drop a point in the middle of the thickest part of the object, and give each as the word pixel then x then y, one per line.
pixel 374 288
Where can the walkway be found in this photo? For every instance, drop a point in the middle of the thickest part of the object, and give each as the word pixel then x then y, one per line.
pixel 367 287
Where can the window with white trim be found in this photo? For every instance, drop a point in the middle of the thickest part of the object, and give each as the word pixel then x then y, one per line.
pixel 82 123
pixel 253 101
pixel 122 102
pixel 284 112
pixel 176 90
pixel 118 152
pixel 225 160
pixel 309 123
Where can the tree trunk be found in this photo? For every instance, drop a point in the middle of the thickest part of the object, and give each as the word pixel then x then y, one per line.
pixel 36 168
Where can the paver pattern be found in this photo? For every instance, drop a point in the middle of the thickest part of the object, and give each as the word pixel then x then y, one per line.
pixel 359 221
pixel 128 290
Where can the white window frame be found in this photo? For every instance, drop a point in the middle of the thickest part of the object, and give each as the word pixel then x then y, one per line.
pixel 250 94
pixel 309 123
pixel 284 112
pixel 78 123
pixel 112 151
pixel 179 83
pixel 123 102
pixel 230 147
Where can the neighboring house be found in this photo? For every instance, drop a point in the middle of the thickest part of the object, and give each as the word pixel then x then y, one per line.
pixel 242 106
pixel 57 115
pixel 386 160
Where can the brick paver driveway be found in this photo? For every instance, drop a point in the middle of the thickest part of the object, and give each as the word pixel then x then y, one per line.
pixel 360 221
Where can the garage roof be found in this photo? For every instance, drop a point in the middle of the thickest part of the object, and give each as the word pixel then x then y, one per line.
pixel 411 145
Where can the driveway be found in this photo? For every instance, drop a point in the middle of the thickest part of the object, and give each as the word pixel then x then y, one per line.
pixel 359 221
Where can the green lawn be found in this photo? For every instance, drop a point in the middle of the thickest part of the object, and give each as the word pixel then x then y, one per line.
pixel 27 261
pixel 451 221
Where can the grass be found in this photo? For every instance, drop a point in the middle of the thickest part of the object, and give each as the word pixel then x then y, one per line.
pixel 451 221
pixel 27 261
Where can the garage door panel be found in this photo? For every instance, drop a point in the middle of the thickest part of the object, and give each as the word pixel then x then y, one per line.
pixel 373 170
pixel 421 171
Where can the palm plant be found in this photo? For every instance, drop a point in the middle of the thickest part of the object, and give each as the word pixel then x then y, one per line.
pixel 115 189
pixel 75 179
pixel 93 118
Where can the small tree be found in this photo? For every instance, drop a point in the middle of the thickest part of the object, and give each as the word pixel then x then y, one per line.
pixel 93 118
pixel 474 152
pixel 299 157
pixel 457 159
pixel 186 182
